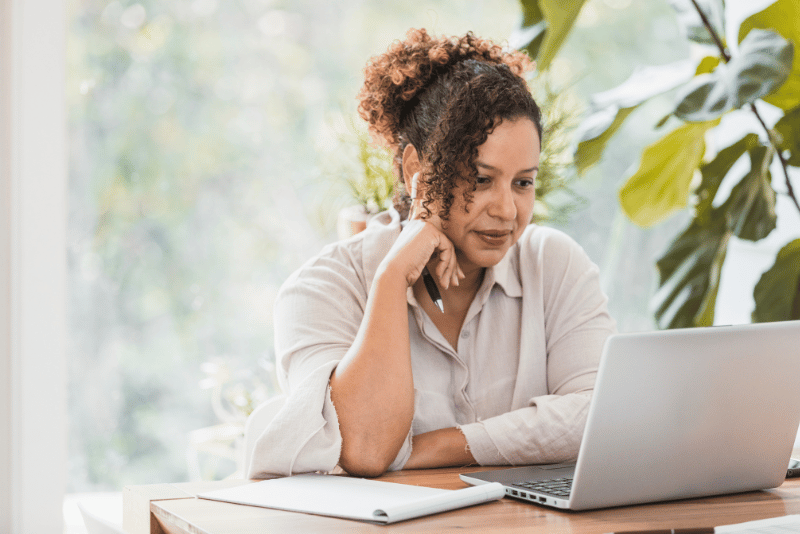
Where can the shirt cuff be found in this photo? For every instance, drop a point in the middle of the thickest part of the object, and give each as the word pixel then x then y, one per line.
pixel 405 451
pixel 402 456
pixel 481 446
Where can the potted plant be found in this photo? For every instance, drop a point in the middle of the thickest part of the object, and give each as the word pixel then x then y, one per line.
pixel 371 184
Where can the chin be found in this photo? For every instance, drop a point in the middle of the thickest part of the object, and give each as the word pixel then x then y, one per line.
pixel 487 259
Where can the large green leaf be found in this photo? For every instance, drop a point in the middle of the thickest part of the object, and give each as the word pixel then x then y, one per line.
pixel 714 171
pixel 542 41
pixel 751 204
pixel 783 17
pixel 763 65
pixel 645 83
pixel 689 274
pixel 612 107
pixel 589 151
pixel 777 293
pixel 789 128
pixel 690 23
pixel 661 184
pixel 530 35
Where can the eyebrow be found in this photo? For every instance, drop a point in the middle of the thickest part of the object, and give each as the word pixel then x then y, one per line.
pixel 489 167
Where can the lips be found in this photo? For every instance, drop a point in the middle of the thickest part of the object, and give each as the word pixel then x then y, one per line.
pixel 494 237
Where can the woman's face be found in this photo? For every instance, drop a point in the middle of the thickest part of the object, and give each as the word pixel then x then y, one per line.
pixel 502 204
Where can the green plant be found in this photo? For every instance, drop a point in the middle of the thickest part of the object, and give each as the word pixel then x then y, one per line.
pixel 545 26
pixel 555 198
pixel 675 169
pixel 371 179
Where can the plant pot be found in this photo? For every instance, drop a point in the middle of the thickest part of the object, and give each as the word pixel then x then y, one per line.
pixel 352 220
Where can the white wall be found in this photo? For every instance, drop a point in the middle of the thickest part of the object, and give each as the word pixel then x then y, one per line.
pixel 33 179
pixel 5 269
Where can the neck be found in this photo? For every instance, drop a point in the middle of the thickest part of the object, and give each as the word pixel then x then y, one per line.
pixel 473 274
pixel 456 299
pixel 472 281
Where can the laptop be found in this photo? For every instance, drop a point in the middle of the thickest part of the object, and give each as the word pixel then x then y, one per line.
pixel 677 414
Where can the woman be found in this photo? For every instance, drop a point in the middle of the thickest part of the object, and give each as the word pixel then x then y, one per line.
pixel 380 378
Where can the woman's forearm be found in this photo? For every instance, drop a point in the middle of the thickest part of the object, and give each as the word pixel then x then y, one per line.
pixel 372 388
pixel 440 448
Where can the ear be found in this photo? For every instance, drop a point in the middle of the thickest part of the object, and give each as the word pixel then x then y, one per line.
pixel 411 165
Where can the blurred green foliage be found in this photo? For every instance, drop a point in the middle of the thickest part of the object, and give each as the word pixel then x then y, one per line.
pixel 764 67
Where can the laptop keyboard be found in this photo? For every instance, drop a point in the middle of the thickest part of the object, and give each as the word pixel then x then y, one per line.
pixel 560 487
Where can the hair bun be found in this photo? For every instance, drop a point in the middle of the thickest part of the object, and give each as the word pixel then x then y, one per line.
pixel 397 76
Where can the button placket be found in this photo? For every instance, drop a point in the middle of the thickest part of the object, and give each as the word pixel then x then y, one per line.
pixel 467 408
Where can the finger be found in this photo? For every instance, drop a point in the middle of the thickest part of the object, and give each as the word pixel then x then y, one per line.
pixel 455 269
pixel 442 270
pixel 448 257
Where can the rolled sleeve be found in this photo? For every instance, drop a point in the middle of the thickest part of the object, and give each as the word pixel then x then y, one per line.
pixel 302 437
pixel 548 431
pixel 317 315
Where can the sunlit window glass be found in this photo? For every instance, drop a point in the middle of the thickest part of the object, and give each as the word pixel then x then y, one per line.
pixel 200 137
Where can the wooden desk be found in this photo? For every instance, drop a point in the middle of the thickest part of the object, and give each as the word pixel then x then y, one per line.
pixel 173 509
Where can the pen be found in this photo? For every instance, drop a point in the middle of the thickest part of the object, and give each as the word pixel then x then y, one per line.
pixel 696 530
pixel 430 285
pixel 433 291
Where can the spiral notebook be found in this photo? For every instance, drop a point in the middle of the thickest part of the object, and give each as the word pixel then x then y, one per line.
pixel 354 498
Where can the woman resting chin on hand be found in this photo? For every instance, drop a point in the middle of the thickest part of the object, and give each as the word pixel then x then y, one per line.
pixel 377 376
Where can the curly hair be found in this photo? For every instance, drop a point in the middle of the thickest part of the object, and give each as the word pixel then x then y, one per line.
pixel 444 96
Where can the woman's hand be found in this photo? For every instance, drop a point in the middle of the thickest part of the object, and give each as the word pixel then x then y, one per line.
pixel 422 242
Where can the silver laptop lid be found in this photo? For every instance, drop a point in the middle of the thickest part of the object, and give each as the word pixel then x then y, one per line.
pixel 684 413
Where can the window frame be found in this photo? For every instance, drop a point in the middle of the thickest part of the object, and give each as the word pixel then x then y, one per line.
pixel 33 220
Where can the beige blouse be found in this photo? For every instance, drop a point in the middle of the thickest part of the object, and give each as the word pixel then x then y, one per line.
pixel 518 386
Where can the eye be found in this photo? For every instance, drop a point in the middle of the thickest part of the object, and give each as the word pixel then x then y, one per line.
pixel 482 180
pixel 525 183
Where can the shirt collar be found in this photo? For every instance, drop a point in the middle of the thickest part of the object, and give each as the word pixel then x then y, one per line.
pixel 505 274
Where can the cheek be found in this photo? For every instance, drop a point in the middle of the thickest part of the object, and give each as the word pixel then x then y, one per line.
pixel 525 210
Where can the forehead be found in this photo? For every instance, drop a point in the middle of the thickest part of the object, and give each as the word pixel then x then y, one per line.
pixel 511 142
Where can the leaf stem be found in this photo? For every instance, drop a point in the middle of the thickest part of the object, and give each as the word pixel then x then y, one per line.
pixel 727 57
pixel 789 188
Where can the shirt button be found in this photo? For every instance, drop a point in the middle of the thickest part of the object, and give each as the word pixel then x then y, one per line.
pixel 464 334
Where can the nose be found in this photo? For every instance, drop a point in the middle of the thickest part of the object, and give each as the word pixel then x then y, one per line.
pixel 502 205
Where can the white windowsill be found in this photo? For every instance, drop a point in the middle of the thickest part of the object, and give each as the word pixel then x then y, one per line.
pixel 106 505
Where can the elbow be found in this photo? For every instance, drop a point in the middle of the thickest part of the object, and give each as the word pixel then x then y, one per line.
pixel 365 461
pixel 365 470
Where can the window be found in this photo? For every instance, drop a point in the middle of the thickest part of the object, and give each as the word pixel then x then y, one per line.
pixel 199 135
